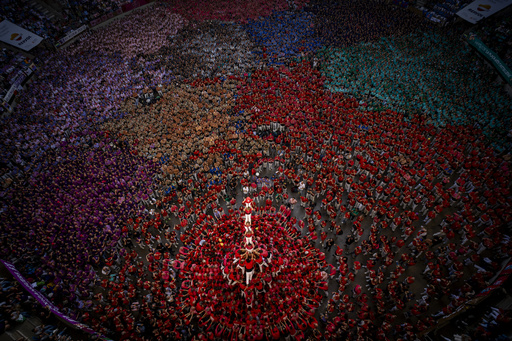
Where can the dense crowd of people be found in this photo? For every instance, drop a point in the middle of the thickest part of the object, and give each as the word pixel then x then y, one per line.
pixel 12 64
pixel 347 23
pixel 160 173
pixel 444 11
pixel 88 10
pixel 21 13
pixel 270 292
pixel 234 10
pixel 448 92
pixel 75 205
pixel 284 35
pixel 130 43
pixel 208 49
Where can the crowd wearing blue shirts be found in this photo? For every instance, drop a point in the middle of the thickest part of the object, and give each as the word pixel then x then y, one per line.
pixel 284 35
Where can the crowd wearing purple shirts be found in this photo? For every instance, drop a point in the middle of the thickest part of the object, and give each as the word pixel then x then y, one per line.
pixel 71 211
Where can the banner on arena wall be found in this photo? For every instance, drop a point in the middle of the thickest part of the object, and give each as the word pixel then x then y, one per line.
pixel 481 9
pixel 16 36
pixel 18 80
pixel 497 284
pixel 504 274
pixel 70 35
pixel 45 302
pixel 492 57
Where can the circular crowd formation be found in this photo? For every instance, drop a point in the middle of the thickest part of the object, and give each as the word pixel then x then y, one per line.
pixel 254 171
pixel 281 295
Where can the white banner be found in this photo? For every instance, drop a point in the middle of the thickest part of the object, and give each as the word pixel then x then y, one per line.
pixel 16 36
pixel 480 9
pixel 18 79
pixel 71 34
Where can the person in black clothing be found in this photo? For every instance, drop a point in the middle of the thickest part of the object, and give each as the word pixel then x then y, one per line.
pixel 349 240
pixel 329 243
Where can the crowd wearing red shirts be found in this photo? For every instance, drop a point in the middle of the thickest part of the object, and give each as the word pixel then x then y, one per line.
pixel 416 230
